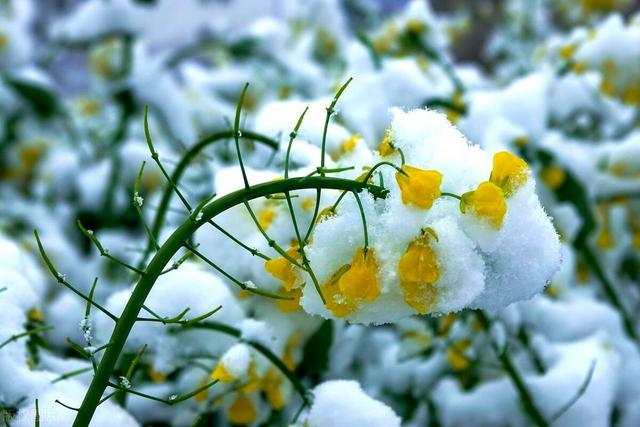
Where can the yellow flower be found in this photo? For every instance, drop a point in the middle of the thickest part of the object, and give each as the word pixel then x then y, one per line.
pixel 266 217
pixel 360 283
pixel 631 94
pixel 567 51
pixel 253 383
pixel 636 239
pixel 156 377
pixel 456 357
pixel 415 26
pixel 35 315
pixel 419 187
pixel 554 176
pixel 308 204
pixel 242 411
pixel 204 394
pixel 552 290
pixel 290 305
pixel 598 5
pixel 605 239
pixel 347 146
pixel 418 270
pixel 289 348
pixel 221 374
pixel 509 172
pixel 582 273
pixel 487 202
pixel 579 67
pixel 282 269
pixel 386 147
pixel 325 213
pixel 335 301
pixel 446 322
pixel 272 385
pixel 521 141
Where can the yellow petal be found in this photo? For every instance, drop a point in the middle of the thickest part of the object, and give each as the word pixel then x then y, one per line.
pixel 486 202
pixel 242 411
pixel 288 306
pixel 386 146
pixel 221 374
pixel 282 269
pixel 272 386
pixel 335 301
pixel 509 172
pixel 419 187
pixel 418 271
pixel 360 283
pixel 554 176
pixel 456 357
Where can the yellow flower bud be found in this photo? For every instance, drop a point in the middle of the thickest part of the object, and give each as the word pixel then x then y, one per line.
pixel 419 187
pixel 266 217
pixel 456 355
pixel 272 386
pixel 605 239
pixel 509 172
pixel 288 306
pixel 486 202
pixel 360 283
pixel 221 374
pixel 157 377
pixel 554 176
pixel 253 383
pixel 386 147
pixel 567 51
pixel 418 270
pixel 242 411
pixel 35 315
pixel 282 269
pixel 335 301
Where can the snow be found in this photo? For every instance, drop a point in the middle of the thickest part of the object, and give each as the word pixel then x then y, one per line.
pixel 343 403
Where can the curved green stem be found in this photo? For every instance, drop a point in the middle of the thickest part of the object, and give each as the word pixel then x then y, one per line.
pixel 164 255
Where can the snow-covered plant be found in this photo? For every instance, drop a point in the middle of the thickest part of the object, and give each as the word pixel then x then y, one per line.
pixel 449 238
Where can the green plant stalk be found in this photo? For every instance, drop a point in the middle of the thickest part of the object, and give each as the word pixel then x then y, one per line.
pixel 164 255
pixel 182 165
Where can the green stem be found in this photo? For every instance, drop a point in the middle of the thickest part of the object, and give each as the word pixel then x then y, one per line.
pixel 181 167
pixel 164 255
